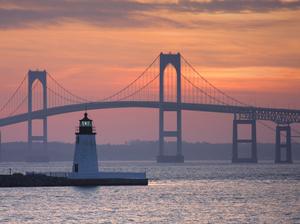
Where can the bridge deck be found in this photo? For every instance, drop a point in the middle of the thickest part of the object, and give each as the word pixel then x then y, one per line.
pixel 280 116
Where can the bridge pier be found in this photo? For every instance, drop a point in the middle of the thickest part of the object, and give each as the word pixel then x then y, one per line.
pixel 165 60
pixel 236 141
pixel 280 146
pixel 34 155
pixel 178 158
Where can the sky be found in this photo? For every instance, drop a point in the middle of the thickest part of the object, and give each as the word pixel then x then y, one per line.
pixel 250 49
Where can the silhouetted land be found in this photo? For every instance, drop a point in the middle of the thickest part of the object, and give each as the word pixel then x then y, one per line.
pixel 138 150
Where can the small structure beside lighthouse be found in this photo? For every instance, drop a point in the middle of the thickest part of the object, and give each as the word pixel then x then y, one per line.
pixel 85 163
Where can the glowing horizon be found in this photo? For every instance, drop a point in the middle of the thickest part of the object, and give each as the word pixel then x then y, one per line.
pixel 251 51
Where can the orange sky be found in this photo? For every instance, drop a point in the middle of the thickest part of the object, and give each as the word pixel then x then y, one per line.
pixel 250 49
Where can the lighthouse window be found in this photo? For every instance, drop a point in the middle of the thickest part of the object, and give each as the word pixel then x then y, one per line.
pixel 76 168
pixel 86 123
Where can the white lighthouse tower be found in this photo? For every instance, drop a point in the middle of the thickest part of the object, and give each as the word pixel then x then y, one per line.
pixel 85 163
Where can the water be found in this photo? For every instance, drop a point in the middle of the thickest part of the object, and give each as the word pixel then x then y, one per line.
pixel 194 192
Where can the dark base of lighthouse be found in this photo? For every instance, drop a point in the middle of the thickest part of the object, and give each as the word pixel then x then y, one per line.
pixel 170 159
pixel 40 180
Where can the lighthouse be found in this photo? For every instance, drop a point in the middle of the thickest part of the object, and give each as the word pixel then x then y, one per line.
pixel 85 163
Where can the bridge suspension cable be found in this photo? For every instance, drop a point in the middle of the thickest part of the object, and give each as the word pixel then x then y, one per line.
pixel 140 89
pixel 119 93
pixel 215 90
pixel 73 97
pixel 202 91
pixel 11 104
pixel 60 96
pixel 222 100
pixel 36 98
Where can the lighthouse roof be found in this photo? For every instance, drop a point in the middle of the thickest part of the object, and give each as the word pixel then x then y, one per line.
pixel 85 118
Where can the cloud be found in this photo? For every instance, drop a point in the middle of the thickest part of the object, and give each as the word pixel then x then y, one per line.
pixel 123 13
pixel 236 6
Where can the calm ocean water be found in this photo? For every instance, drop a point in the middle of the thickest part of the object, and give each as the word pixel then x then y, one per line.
pixel 193 192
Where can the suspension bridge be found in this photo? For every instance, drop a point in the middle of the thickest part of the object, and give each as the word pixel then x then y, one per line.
pixel 169 83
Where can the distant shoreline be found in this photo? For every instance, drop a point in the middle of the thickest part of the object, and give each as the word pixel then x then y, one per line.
pixel 134 151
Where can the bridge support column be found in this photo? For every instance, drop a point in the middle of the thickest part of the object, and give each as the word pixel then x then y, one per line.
pixel 32 154
pixel 236 141
pixel 280 146
pixel 165 60
pixel 178 158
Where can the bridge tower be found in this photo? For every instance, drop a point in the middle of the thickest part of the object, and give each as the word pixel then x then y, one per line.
pixel 174 60
pixel 249 120
pixel 286 144
pixel 41 76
